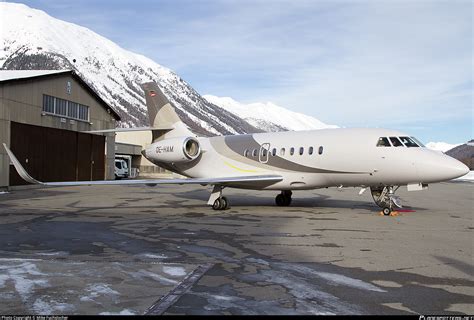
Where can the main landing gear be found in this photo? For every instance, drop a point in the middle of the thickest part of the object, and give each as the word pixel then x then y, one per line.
pixel 216 200
pixel 385 198
pixel 284 198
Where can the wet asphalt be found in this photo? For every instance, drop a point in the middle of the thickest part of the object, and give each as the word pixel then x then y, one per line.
pixel 161 250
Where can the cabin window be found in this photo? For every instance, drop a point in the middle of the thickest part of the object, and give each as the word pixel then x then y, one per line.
pixel 310 150
pixel 408 142
pixel 282 152
pixel 292 151
pixel 274 152
pixel 321 149
pixel 418 142
pixel 395 142
pixel 246 153
pixel 383 142
pixel 263 152
pixel 254 152
pixel 301 151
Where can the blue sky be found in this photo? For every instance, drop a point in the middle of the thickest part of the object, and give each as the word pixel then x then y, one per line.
pixel 404 65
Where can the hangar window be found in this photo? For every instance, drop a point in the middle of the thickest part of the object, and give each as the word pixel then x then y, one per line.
pixel 292 151
pixel 383 142
pixel 408 142
pixel 65 108
pixel 83 112
pixel 48 104
pixel 61 107
pixel 72 110
pixel 395 142
pixel 311 150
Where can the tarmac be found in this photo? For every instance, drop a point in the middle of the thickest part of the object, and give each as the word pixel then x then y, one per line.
pixel 161 250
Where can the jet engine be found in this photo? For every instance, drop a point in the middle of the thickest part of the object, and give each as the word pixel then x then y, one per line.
pixel 174 150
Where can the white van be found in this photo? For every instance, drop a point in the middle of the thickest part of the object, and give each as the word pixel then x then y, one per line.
pixel 121 169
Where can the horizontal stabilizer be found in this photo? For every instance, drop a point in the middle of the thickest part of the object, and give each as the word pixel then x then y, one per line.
pixel 202 181
pixel 166 128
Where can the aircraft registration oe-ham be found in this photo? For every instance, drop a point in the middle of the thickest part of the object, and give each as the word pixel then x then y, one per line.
pixel 377 159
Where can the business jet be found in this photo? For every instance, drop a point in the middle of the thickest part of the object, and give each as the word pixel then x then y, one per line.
pixel 377 159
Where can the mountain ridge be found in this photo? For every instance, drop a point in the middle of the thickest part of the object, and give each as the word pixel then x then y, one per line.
pixel 34 40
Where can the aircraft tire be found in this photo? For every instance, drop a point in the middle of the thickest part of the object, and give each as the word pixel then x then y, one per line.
pixel 224 204
pixel 386 211
pixel 287 201
pixel 280 200
pixel 217 204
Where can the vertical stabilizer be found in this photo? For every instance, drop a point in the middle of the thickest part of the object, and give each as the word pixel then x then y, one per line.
pixel 161 114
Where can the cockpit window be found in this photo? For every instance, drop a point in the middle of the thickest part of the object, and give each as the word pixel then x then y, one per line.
pixel 383 142
pixel 395 142
pixel 418 142
pixel 409 142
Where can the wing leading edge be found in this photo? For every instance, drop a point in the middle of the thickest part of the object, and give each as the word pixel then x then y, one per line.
pixel 203 181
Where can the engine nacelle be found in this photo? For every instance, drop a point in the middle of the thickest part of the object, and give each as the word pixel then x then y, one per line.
pixel 174 150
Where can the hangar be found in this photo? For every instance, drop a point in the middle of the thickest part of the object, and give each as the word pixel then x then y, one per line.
pixel 42 114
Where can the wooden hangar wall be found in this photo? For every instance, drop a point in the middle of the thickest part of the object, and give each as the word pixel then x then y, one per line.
pixel 41 119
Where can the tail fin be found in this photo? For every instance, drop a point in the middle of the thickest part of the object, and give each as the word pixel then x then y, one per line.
pixel 162 116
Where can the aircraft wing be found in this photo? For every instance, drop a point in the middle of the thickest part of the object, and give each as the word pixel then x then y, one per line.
pixel 203 181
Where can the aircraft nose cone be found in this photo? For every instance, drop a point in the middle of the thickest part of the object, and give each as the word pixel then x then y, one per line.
pixel 437 167
pixel 455 169
pixel 462 169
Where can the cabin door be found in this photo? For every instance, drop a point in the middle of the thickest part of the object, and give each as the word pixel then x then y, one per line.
pixel 264 153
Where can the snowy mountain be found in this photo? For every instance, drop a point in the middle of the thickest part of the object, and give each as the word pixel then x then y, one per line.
pixel 268 116
pixel 441 146
pixel 464 153
pixel 31 39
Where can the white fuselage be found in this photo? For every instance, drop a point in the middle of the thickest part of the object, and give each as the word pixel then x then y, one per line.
pixel 340 157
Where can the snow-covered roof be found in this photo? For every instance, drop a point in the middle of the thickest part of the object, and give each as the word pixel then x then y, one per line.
pixel 6 75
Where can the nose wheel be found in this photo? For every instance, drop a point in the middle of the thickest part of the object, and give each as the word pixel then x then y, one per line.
pixel 284 198
pixel 385 198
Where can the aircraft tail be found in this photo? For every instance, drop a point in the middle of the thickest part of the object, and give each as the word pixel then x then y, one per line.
pixel 163 118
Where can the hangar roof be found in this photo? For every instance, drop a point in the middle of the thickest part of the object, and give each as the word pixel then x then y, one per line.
pixel 15 75
pixel 6 75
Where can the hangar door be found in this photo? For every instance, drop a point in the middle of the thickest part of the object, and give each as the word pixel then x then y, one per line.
pixel 56 155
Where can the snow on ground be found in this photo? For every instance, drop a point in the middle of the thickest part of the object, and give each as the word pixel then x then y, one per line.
pixel 174 271
pixel 468 177
pixel 125 312
pixel 441 146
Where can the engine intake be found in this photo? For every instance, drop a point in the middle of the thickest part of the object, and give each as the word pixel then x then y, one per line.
pixel 174 150
pixel 191 148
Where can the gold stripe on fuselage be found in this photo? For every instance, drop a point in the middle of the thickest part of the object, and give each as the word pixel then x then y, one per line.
pixel 240 169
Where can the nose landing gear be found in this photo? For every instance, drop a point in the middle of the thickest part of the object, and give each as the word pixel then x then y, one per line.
pixel 385 198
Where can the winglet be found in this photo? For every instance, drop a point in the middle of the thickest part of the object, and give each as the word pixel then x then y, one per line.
pixel 19 168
